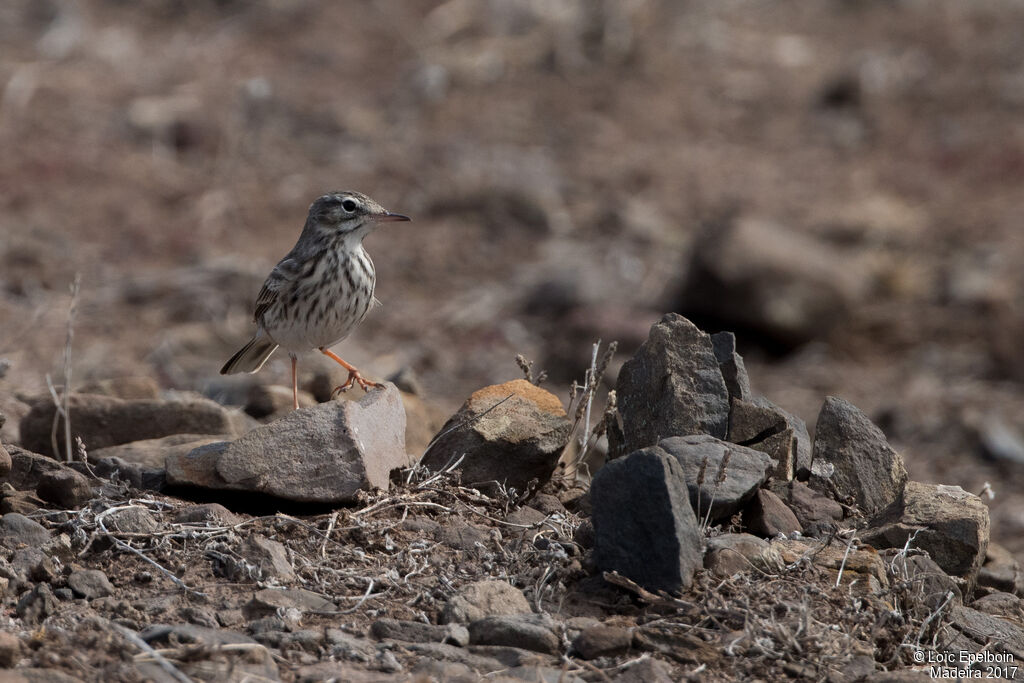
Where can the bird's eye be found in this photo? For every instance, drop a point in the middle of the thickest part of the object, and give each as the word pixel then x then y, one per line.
pixel 349 205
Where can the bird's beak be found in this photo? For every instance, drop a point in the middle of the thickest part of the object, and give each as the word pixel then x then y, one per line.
pixel 390 217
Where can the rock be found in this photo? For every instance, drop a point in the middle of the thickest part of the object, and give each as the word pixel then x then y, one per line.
pixel 1001 571
pixel 780 284
pixel 863 565
pixel 22 502
pixel 266 400
pixel 763 426
pixel 138 476
pixel 993 633
pixel 14 410
pixel 65 488
pixel 132 520
pixel 5 462
pixel 153 452
pixel 672 386
pixel 418 632
pixel 207 513
pixel 602 641
pixel 547 504
pixel 768 516
pixel 681 646
pixel 17 530
pixel 644 527
pixel 853 459
pixel 481 599
pixel 730 363
pixel 926 581
pixel 441 652
pixel 513 656
pixel 37 604
pixel 90 583
pixel 951 525
pixel 324 454
pixel 526 515
pixel 32 565
pixel 268 601
pixel 268 556
pixel 726 484
pixel 533 632
pixel 123 387
pixel 814 511
pixel 211 660
pixel 103 421
pixel 512 433
pixel 730 554
pixel 647 670
pixel 10 649
pixel 999 604
pixel 27 468
pixel 461 536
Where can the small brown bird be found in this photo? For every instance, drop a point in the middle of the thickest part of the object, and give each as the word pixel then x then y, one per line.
pixel 320 291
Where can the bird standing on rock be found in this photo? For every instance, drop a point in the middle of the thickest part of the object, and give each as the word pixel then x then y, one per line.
pixel 320 291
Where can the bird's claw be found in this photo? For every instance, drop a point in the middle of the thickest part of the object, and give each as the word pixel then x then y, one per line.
pixel 355 378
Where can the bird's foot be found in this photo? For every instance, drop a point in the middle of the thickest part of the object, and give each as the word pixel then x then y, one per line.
pixel 355 378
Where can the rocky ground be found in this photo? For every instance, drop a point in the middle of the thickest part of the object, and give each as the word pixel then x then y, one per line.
pixel 837 183
pixel 719 542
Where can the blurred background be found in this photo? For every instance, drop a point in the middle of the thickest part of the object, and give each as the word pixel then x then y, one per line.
pixel 838 182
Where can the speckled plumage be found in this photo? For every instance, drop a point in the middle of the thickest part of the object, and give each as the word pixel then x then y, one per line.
pixel 322 289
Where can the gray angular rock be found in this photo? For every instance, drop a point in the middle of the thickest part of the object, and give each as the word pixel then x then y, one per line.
pixel 269 557
pixel 763 426
pixel 212 661
pixel 647 670
pixel 90 583
pixel 418 632
pixel 153 452
pixel 206 513
pixel 484 599
pixel 814 511
pixel 672 386
pixel 949 523
pixel 1001 571
pixel 104 421
pixel 730 554
pixel 18 530
pixel 734 371
pixel 27 468
pixel 726 485
pixel 5 462
pixel 65 488
pixel 602 641
pixel 37 604
pixel 852 458
pixel 993 633
pixel 133 520
pixel 512 433
pixel 268 601
pixel 535 632
pixel 768 516
pixel 324 454
pixel 644 527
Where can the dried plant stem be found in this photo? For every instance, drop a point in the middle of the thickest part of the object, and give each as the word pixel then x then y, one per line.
pixel 72 312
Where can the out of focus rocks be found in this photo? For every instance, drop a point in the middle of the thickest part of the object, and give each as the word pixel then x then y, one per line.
pixel 123 387
pixel 324 454
pixel 270 400
pixel 672 386
pixel 746 274
pixel 511 433
pixel 720 474
pixel 852 458
pixel 1001 571
pixel 535 632
pixel 950 524
pixel 644 526
pixel 103 421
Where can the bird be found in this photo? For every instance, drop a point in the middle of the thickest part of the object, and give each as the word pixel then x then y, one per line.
pixel 320 291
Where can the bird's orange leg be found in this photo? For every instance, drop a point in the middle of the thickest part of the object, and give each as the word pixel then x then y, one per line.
pixel 353 374
pixel 295 383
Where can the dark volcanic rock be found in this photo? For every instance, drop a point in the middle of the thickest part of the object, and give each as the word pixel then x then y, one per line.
pixel 853 459
pixel 768 516
pixel 534 632
pixel 672 386
pixel 602 641
pixel 90 583
pixel 815 512
pixel 644 527
pixel 17 530
pixel 512 433
pixel 949 523
pixel 763 426
pixel 65 488
pixel 323 454
pixel 104 421
pixel 734 372
pixel 726 487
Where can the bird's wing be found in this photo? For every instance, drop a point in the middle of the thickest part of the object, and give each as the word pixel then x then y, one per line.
pixel 283 274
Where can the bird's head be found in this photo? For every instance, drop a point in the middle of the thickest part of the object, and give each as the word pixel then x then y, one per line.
pixel 349 212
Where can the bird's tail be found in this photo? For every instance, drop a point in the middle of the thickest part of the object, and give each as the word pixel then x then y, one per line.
pixel 250 357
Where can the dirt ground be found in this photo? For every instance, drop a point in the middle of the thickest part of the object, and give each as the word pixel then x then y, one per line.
pixel 558 160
